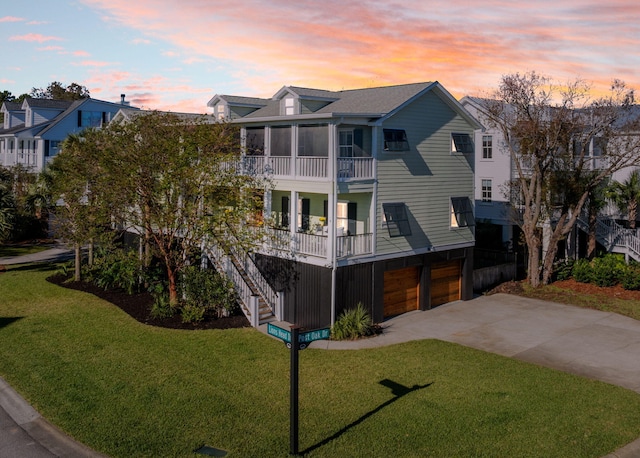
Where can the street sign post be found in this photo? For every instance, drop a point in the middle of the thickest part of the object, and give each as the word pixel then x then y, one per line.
pixel 303 339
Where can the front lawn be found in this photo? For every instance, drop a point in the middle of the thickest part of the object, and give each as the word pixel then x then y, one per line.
pixel 127 389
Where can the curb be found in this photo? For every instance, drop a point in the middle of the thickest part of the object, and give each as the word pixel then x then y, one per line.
pixel 42 432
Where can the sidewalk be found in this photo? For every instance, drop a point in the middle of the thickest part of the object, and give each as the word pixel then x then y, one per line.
pixel 56 253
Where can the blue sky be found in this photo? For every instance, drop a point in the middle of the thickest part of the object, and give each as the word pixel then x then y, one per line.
pixel 176 54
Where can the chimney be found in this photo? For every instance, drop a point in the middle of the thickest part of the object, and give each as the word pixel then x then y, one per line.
pixel 122 99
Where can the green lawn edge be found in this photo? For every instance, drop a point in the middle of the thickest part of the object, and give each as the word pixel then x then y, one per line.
pixel 127 389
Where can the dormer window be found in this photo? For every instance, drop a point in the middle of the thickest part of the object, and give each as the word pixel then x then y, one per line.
pixel 289 106
pixel 221 111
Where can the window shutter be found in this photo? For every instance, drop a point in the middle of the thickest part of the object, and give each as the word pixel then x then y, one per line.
pixel 46 147
pixel 79 118
pixel 306 208
pixel 285 211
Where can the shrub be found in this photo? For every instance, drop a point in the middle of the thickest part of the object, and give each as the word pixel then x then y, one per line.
pixel 582 271
pixel 192 313
pixel 563 269
pixel 161 307
pixel 208 291
pixel 116 269
pixel 607 270
pixel 630 278
pixel 353 324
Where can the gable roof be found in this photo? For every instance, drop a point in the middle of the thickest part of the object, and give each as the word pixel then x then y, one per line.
pixel 377 103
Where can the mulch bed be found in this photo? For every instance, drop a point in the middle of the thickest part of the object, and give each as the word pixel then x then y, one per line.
pixel 138 306
pixel 617 291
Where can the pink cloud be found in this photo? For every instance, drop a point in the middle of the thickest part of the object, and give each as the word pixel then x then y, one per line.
pixel 345 44
pixel 34 37
pixel 11 19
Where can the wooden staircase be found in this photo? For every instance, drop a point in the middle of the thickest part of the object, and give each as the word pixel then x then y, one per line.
pixel 258 301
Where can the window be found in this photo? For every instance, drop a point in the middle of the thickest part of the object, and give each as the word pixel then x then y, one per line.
pixel 395 140
pixel 486 190
pixel 221 111
pixel 461 143
pixel 346 214
pixel 289 106
pixel 487 147
pixel 280 141
pixel 345 143
pixel 461 212
pixel 313 141
pixel 395 217
pixel 91 118
pixel 255 141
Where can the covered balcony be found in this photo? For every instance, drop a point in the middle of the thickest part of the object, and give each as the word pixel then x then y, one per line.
pixel 305 152
pixel 308 232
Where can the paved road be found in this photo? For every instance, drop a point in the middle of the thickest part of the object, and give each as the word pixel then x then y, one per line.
pixel 599 345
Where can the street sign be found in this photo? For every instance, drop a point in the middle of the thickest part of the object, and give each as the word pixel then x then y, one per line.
pixel 280 333
pixel 311 336
pixel 304 338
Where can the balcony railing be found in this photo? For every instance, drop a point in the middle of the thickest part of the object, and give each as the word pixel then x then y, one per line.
pixel 355 167
pixel 347 168
pixel 316 244
pixel 354 245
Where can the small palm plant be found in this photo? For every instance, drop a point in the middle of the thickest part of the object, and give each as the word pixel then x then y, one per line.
pixel 353 324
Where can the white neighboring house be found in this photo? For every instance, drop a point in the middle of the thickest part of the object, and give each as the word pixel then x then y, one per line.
pixel 33 131
pixel 493 171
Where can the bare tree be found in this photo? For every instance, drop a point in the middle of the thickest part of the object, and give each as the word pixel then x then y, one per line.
pixel 562 145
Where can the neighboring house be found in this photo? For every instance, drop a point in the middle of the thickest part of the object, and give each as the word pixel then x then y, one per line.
pixel 372 197
pixel 494 170
pixel 34 130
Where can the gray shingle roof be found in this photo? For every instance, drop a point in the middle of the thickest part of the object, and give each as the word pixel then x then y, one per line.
pixel 377 101
pixel 47 103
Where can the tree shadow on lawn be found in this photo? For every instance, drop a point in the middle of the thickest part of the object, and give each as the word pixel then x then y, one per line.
pixel 397 390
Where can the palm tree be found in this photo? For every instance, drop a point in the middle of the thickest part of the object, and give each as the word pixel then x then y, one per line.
pixel 626 195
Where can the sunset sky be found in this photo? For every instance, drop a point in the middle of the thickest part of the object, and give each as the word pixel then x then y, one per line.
pixel 176 54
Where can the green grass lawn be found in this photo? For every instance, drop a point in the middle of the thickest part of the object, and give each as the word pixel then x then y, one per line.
pixel 127 389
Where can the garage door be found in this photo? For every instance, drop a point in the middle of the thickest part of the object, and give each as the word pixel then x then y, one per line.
pixel 401 290
pixel 445 282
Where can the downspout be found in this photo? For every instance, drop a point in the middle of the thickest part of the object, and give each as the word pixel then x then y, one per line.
pixel 332 212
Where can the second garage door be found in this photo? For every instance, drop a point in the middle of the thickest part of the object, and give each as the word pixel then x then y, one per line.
pixel 445 282
pixel 401 291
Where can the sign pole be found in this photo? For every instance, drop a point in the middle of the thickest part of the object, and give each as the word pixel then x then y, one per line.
pixel 293 392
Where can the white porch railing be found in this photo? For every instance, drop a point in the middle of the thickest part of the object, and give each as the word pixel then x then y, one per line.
pixel 354 245
pixel 614 237
pixel 316 245
pixel 354 167
pixel 311 166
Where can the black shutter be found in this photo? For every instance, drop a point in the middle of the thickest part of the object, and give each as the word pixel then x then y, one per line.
pixel 46 148
pixel 351 215
pixel 306 207
pixel 79 118
pixel 284 222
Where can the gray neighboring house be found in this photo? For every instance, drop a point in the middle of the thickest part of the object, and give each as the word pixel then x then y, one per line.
pixel 372 198
pixel 34 130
